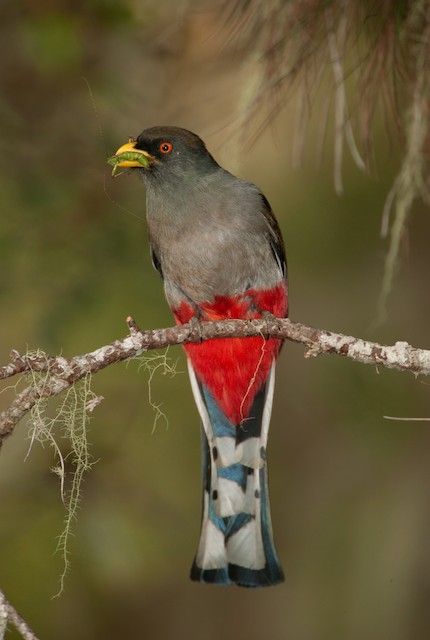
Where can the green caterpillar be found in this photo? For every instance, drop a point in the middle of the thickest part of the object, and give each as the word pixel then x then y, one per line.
pixel 128 156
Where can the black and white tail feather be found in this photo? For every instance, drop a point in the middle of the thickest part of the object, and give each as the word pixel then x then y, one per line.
pixel 236 540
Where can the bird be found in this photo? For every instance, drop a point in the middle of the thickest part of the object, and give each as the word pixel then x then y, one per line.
pixel 216 244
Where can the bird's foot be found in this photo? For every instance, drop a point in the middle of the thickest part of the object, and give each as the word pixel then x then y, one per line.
pixel 196 334
pixel 269 317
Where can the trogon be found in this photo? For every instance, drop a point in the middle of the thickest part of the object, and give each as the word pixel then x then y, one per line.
pixel 217 246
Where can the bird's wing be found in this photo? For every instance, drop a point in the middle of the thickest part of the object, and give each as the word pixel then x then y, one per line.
pixel 274 236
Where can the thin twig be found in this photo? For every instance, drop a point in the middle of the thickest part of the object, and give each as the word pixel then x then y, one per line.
pixel 406 419
pixel 8 614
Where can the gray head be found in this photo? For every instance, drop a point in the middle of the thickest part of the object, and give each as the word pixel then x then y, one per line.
pixel 167 154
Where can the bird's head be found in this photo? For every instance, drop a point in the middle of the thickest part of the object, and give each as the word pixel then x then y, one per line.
pixel 163 153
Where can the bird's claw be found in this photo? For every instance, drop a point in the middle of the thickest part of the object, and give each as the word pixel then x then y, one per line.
pixel 269 317
pixel 196 334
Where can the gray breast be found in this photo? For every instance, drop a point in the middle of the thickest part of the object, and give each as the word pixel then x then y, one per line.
pixel 211 238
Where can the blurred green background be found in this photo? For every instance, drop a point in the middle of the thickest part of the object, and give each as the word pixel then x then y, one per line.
pixel 349 490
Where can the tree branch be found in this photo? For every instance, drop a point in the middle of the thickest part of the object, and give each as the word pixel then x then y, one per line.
pixel 9 615
pixel 62 373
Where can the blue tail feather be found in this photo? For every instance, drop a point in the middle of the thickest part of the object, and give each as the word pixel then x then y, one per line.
pixel 236 544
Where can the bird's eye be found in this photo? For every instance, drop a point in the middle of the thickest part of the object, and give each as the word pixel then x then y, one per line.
pixel 165 147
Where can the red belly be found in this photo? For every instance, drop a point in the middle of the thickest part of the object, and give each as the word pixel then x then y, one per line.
pixel 234 369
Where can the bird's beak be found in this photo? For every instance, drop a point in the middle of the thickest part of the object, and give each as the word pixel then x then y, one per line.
pixel 128 157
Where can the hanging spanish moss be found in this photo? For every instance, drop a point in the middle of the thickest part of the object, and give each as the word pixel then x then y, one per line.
pixel 363 57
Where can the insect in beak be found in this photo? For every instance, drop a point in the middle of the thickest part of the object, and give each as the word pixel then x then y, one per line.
pixel 129 157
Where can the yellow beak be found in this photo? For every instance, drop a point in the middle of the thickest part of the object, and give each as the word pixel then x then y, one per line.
pixel 128 157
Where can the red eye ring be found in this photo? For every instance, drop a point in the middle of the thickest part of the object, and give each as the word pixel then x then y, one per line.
pixel 165 147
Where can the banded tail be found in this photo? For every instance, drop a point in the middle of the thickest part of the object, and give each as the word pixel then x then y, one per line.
pixel 236 541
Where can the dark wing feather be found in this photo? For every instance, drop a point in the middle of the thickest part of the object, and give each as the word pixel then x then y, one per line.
pixel 275 237
pixel 156 262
